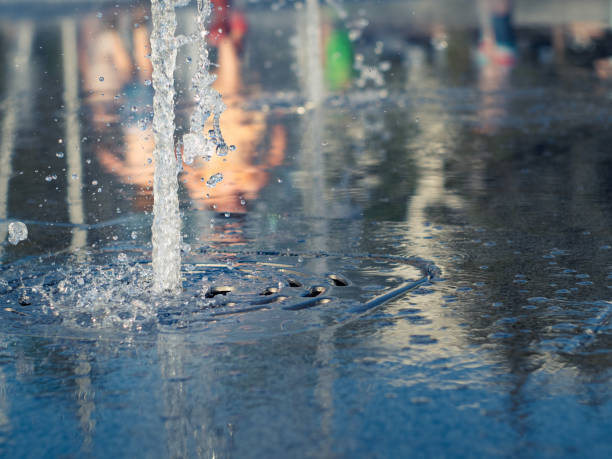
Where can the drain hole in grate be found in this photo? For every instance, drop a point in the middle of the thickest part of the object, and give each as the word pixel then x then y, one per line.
pixel 269 291
pixel 338 281
pixel 214 291
pixel 314 291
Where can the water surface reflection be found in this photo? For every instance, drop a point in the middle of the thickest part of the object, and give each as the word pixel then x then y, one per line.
pixel 476 138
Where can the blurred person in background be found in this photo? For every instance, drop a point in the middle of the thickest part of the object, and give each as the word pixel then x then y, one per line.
pixel 496 58
pixel 497 36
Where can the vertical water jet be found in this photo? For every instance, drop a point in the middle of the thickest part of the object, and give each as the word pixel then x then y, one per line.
pixel 208 105
pixel 166 229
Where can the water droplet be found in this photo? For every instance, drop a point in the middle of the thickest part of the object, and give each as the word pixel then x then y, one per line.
pixel 134 235
pixel 188 59
pixel 94 182
pixel 18 232
pixel 74 176
pixel 59 154
pixel 222 149
pixel 214 179
pixel 147 82
pixel 100 78
pixel 122 257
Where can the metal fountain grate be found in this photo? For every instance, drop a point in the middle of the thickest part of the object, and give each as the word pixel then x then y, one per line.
pixel 113 289
pixel 273 285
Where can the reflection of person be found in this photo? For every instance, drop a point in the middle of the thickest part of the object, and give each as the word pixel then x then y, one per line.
pixel 123 94
pixel 242 176
pixel 243 173
pixel 105 65
pixel 228 28
pixel 245 170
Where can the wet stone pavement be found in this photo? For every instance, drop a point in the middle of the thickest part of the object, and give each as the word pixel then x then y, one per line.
pixel 476 197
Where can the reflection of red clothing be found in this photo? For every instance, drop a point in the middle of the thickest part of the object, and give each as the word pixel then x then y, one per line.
pixel 226 22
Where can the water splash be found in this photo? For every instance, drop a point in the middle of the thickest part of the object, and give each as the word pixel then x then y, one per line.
pixel 18 232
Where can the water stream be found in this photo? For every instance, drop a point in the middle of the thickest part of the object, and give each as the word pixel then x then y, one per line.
pixel 166 230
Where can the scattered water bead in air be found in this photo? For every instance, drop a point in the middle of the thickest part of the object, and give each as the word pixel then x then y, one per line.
pixel 134 235
pixel 59 154
pixel 101 78
pixel 222 149
pixel 147 82
pixel 214 179
pixel 122 258
pixel 232 148
pixel 18 232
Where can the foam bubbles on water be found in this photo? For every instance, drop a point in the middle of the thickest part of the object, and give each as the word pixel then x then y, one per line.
pixel 18 232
